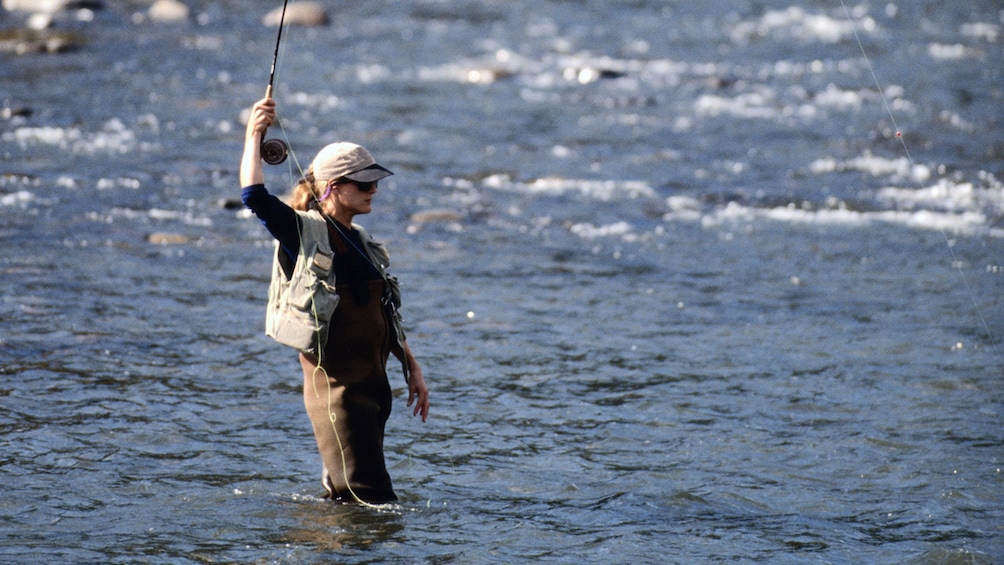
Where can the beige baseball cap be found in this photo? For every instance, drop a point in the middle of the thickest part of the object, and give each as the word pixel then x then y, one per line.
pixel 347 160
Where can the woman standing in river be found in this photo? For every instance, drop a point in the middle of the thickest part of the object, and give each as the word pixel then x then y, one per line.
pixel 332 300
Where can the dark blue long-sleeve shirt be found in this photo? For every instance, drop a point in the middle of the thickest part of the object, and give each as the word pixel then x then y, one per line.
pixel 278 218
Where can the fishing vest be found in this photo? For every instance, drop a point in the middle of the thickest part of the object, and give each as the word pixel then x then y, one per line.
pixel 300 306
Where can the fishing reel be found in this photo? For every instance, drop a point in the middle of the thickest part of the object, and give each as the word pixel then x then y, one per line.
pixel 274 151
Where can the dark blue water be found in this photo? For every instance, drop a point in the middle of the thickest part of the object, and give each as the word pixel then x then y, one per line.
pixel 681 292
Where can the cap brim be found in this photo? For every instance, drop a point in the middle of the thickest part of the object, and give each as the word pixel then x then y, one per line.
pixel 372 173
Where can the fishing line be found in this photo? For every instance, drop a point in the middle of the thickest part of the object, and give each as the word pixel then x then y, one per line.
pixel 332 417
pixel 913 165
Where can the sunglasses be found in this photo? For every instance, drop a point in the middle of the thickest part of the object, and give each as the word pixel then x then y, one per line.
pixel 364 187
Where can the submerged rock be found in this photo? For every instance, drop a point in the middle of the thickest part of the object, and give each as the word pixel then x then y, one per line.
pixel 308 14
pixel 586 75
pixel 165 238
pixel 51 6
pixel 15 112
pixel 169 11
pixel 231 203
pixel 39 21
pixel 22 42
pixel 435 215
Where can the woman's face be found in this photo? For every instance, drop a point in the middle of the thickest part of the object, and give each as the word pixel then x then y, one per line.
pixel 349 197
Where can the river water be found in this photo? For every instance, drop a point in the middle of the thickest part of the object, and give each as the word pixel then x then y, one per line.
pixel 697 282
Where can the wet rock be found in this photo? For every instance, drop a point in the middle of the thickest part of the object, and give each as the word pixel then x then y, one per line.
pixel 59 44
pixel 23 42
pixel 34 5
pixel 437 218
pixel 39 21
pixel 231 203
pixel 166 238
pixel 586 75
pixel 310 14
pixel 169 11
pixel 15 112
pixel 488 75
pixel 51 6
pixel 435 215
pixel 720 83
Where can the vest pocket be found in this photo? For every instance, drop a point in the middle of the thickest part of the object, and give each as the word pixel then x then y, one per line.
pixel 300 308
pixel 297 330
pixel 304 326
pixel 325 300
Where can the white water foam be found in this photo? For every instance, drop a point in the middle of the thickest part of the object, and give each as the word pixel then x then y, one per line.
pixel 19 198
pixel 900 168
pixel 767 103
pixel 949 206
pixel 797 23
pixel 589 231
pixel 949 196
pixel 603 190
pixel 962 223
pixel 188 217
pixel 981 31
pixel 113 137
pixel 954 52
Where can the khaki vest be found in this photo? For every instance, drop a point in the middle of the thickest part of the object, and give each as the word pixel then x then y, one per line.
pixel 300 307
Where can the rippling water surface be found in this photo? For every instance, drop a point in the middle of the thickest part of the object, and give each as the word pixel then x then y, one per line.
pixel 687 285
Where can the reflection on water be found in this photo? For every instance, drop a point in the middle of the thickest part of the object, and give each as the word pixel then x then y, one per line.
pixel 331 527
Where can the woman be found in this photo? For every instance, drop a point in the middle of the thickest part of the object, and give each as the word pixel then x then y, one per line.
pixel 331 299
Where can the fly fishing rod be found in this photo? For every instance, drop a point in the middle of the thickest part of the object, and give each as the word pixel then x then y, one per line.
pixel 275 151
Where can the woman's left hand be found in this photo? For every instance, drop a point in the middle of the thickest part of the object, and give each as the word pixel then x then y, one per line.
pixel 418 393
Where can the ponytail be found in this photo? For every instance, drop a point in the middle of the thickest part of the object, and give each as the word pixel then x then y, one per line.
pixel 304 192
